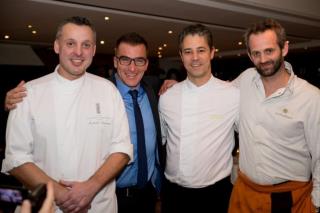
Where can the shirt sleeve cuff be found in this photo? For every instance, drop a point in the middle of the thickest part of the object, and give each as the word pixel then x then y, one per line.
pixel 11 162
pixel 123 148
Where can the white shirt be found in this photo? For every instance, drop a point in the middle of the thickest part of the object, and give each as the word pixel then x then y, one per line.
pixel 280 134
pixel 68 129
pixel 198 125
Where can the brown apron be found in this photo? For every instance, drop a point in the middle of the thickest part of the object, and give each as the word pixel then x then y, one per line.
pixel 290 196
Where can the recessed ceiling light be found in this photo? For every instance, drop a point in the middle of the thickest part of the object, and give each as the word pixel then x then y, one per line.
pixel 34 32
pixel 29 26
pixel 159 53
pixel 102 42
pixel 164 45
pixel 160 48
pixel 159 56
pixel 6 37
pixel 106 18
pixel 170 32
pixel 240 43
pixel 216 50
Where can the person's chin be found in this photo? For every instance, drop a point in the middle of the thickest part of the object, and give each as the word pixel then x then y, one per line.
pixel 131 82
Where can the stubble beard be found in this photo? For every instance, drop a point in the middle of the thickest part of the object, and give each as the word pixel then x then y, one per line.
pixel 272 71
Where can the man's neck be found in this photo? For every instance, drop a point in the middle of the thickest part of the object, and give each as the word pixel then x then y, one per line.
pixel 200 81
pixel 275 82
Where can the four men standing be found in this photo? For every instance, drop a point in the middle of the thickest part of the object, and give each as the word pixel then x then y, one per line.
pixel 278 128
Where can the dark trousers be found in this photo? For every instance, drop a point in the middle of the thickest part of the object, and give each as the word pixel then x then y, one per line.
pixel 132 199
pixel 213 198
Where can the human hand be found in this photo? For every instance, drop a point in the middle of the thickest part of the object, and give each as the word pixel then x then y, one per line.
pixel 25 207
pixel 78 197
pixel 60 194
pixel 15 96
pixel 47 206
pixel 166 85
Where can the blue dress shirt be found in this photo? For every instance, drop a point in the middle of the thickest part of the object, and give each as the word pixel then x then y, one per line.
pixel 128 177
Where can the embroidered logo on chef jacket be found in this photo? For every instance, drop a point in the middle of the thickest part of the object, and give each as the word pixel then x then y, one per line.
pixel 98 108
pixel 98 118
pixel 285 113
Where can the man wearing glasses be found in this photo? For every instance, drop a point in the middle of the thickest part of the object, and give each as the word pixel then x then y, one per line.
pixel 135 193
pixel 130 60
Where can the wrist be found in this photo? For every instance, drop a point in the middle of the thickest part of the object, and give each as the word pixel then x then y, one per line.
pixel 94 185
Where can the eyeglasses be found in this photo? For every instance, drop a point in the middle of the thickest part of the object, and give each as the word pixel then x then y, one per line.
pixel 124 60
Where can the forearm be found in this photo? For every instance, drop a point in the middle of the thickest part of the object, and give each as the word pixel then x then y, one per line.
pixel 30 175
pixel 109 170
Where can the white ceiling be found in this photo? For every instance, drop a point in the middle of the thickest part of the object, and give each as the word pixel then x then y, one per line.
pixel 153 18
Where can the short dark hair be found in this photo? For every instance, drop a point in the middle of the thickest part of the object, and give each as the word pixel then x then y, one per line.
pixel 77 20
pixel 196 29
pixel 262 26
pixel 132 38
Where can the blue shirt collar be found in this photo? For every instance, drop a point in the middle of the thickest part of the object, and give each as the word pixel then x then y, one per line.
pixel 124 89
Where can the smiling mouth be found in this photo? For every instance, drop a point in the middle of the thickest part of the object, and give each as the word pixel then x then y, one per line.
pixel 77 61
pixel 266 64
pixel 195 65
pixel 130 75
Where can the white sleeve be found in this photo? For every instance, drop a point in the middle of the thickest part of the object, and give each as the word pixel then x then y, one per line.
pixel 120 134
pixel 164 128
pixel 313 140
pixel 19 138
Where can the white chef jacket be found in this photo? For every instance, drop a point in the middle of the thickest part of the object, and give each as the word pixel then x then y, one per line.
pixel 68 129
pixel 280 134
pixel 198 126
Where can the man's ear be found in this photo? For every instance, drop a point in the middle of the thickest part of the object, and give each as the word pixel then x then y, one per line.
pixel 115 63
pixel 180 53
pixel 249 55
pixel 56 46
pixel 212 53
pixel 285 48
pixel 94 49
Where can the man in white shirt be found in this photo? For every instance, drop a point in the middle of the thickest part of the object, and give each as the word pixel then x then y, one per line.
pixel 278 130
pixel 71 129
pixel 198 117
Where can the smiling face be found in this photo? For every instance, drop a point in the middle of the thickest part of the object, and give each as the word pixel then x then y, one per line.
pixel 266 54
pixel 130 74
pixel 76 48
pixel 196 56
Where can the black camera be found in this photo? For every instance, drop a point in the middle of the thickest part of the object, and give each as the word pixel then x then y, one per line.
pixel 11 196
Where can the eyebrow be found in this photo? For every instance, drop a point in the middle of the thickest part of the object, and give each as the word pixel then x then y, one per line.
pixel 201 47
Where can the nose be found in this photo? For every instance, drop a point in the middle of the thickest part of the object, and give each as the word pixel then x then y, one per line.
pixel 132 66
pixel 78 50
pixel 194 55
pixel 263 58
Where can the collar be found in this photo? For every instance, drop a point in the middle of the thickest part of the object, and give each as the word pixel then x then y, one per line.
pixel 191 86
pixel 124 89
pixel 71 84
pixel 290 85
